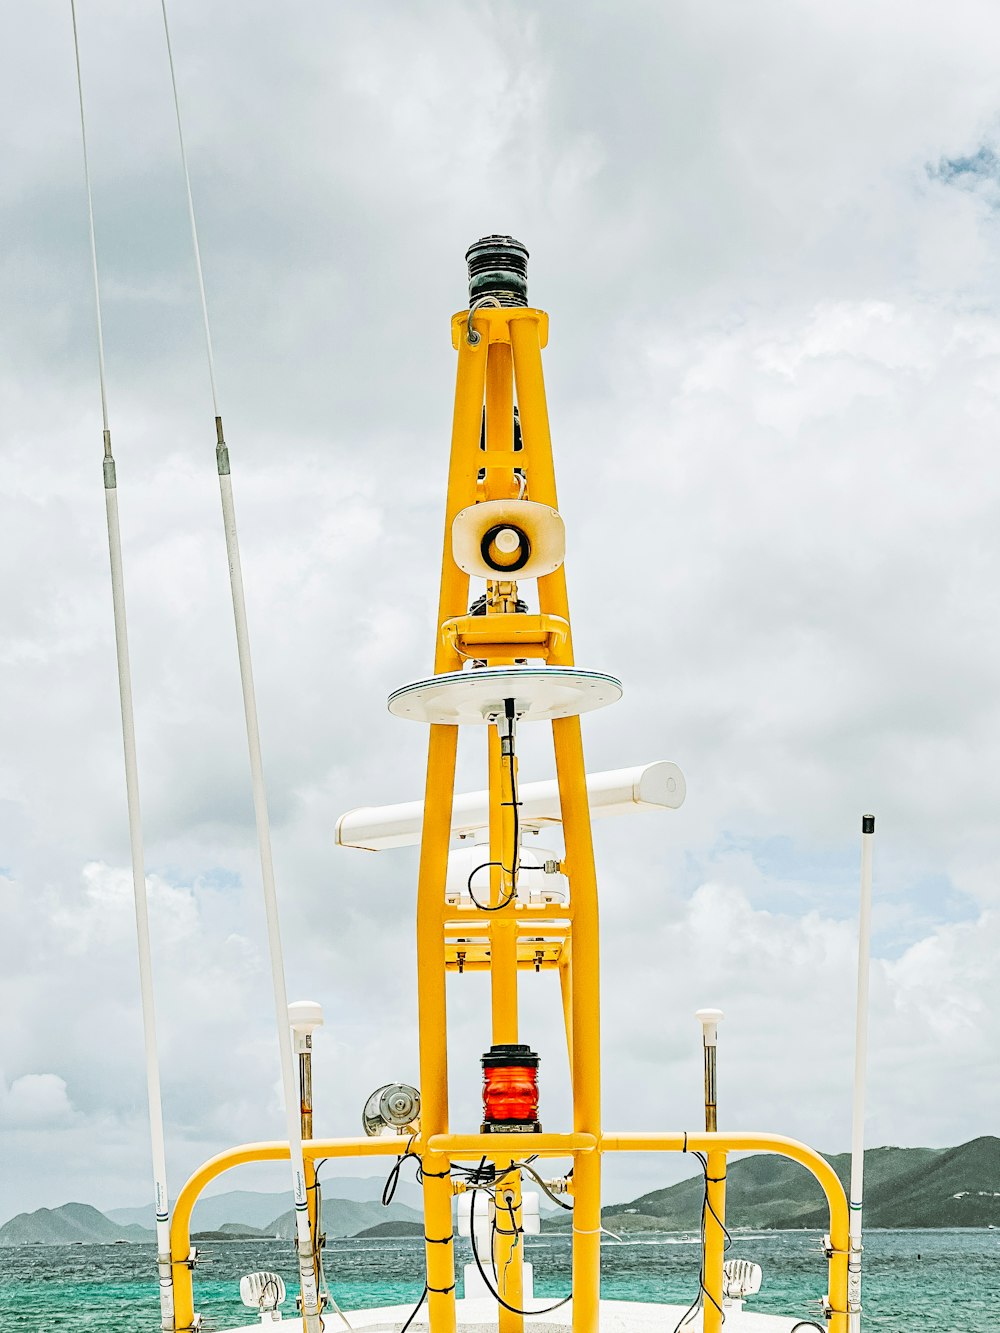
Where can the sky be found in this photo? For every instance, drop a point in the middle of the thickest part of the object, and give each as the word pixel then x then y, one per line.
pixel 767 237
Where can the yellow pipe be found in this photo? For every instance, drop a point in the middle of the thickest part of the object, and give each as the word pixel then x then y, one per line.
pixel 586 1018
pixel 715 1240
pixel 503 932
pixel 180 1223
pixel 499 482
pixel 575 809
pixel 776 1143
pixel 566 992
pixel 466 427
pixel 433 1021
pixel 526 344
pixel 545 1145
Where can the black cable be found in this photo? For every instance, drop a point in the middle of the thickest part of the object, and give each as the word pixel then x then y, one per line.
pixel 392 1179
pixel 516 867
pixel 807 1323
pixel 706 1208
pixel 415 1311
pixel 482 1271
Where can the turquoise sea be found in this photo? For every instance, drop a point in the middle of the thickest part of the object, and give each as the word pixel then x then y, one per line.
pixel 915 1281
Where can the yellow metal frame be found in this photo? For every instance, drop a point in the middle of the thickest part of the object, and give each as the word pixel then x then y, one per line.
pixel 503 364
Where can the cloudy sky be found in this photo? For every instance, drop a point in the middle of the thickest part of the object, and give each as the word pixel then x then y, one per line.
pixel 767 237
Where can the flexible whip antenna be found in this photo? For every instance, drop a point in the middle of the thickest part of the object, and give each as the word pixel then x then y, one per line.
pixel 161 1197
pixel 307 1273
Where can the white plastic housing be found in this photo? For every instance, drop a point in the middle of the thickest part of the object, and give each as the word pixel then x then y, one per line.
pixel 262 1291
pixel 656 786
pixel 710 1020
pixel 533 884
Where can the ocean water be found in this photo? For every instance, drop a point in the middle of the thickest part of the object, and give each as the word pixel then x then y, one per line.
pixel 914 1282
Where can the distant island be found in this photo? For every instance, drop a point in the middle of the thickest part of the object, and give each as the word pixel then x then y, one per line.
pixel 904 1188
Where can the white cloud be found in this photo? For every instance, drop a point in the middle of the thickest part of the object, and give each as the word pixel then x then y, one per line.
pixel 773 383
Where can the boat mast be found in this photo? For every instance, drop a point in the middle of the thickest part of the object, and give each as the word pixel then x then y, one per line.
pixel 153 1094
pixel 304 1238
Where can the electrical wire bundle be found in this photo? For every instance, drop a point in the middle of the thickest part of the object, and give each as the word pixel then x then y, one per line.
pixel 706 1208
pixel 485 1179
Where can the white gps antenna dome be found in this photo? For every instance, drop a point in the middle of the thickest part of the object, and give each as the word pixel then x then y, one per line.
pixel 391 1109
pixel 710 1020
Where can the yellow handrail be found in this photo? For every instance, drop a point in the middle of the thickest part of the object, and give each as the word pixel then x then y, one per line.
pixel 180 1223
pixel 775 1143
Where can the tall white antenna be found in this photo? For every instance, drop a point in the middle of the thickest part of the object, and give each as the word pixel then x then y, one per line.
pixel 860 1069
pixel 161 1197
pixel 307 1271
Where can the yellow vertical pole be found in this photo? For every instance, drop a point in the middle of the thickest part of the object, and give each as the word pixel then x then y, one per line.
pixel 508 1251
pixel 566 991
pixel 715 1181
pixel 433 1020
pixel 438 798
pixel 586 1020
pixel 503 929
pixel 499 419
pixel 575 810
pixel 715 1240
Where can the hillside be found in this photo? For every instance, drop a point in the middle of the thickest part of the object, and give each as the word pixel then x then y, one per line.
pixel 388 1230
pixel 904 1187
pixel 256 1208
pixel 346 1217
pixel 67 1225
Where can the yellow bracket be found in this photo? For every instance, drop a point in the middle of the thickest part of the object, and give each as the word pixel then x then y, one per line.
pixel 500 635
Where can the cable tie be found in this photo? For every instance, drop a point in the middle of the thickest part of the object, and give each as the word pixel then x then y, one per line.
pixel 714 1180
pixel 444 1240
pixel 434 1175
pixel 443 1291
pixel 685 1148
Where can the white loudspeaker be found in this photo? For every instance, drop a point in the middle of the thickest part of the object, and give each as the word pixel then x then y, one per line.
pixel 508 539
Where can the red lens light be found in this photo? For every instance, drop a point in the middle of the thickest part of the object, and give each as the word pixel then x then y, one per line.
pixel 510 1088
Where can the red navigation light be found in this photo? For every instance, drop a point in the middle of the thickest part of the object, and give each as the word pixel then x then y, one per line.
pixel 510 1090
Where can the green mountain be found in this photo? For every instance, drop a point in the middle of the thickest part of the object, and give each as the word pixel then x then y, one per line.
pixel 390 1229
pixel 346 1217
pixel 904 1187
pixel 67 1225
pixel 256 1208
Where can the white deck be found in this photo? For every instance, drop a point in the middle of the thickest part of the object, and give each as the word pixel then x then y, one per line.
pixel 479 1316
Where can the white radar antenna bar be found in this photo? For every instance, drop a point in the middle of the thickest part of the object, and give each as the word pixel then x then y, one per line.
pixel 153 1093
pixel 860 1070
pixel 656 786
pixel 307 1273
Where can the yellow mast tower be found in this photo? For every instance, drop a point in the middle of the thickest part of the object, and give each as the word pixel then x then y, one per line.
pixel 499 664
pixel 497 667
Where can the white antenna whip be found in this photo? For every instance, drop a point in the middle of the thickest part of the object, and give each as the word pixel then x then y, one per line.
pixel 307 1271
pixel 131 780
pixel 860 1067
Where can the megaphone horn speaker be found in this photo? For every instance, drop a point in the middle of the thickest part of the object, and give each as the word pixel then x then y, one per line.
pixel 503 538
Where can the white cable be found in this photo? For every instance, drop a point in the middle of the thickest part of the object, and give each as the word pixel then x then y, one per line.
pixel 307 1272
pixel 860 1068
pixel 161 1197
pixel 90 218
pixel 194 225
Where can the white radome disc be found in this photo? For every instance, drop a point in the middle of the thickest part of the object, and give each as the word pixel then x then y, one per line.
pixel 540 694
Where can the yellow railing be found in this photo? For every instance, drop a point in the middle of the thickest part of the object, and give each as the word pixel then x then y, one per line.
pixel 439 1150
